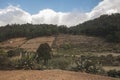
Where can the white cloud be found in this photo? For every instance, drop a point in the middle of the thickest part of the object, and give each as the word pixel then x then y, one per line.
pixel 13 14
pixel 49 16
pixel 105 7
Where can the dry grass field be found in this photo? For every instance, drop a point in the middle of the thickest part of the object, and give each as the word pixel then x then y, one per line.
pixel 29 45
pixel 77 40
pixel 14 42
pixel 33 44
pixel 81 41
pixel 49 75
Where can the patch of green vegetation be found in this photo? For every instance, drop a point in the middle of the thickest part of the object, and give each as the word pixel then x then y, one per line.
pixel 60 62
pixel 89 64
pixel 114 73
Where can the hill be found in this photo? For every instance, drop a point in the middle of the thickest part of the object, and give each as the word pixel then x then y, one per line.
pixel 27 44
pixel 86 43
pixel 106 26
pixel 82 43
pixel 49 75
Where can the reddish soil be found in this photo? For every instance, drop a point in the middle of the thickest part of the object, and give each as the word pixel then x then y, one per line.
pixel 49 75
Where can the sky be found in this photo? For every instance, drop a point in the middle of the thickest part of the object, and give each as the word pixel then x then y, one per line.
pixel 33 6
pixel 59 12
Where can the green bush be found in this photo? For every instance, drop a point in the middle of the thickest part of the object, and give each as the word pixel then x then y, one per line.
pixel 4 62
pixel 114 73
pixel 11 53
pixel 89 65
pixel 59 63
pixel 26 62
pixel 44 53
pixel 2 51
pixel 15 52
pixel 65 46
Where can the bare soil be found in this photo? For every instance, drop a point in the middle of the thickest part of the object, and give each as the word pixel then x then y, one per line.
pixel 49 75
pixel 14 42
pixel 33 44
pixel 29 45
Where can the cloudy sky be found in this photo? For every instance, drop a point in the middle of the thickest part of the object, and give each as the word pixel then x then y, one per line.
pixel 60 12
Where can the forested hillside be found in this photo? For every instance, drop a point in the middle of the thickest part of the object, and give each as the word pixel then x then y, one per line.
pixel 26 30
pixel 106 26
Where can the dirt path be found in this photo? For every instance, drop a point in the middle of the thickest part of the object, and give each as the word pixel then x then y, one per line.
pixel 49 75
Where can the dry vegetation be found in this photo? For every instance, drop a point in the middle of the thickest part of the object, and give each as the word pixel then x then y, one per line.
pixel 77 39
pixel 107 68
pixel 49 75
pixel 84 42
pixel 33 44
pixel 15 42
pixel 29 45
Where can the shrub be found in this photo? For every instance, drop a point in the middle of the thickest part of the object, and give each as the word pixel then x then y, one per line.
pixel 114 73
pixel 4 62
pixel 26 62
pixel 44 53
pixel 15 52
pixel 66 46
pixel 60 63
pixel 2 51
pixel 89 65
pixel 11 53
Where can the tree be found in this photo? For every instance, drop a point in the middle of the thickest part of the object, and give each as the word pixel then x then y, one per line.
pixel 44 53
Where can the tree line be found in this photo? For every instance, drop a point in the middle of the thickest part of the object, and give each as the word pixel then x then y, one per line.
pixel 106 26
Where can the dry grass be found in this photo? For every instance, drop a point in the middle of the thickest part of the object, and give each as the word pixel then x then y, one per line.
pixel 77 39
pixel 33 44
pixel 85 43
pixel 106 54
pixel 15 42
pixel 12 43
pixel 107 68
pixel 29 45
pixel 49 75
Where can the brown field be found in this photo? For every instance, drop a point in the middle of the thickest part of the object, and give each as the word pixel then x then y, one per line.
pixel 15 42
pixel 85 43
pixel 49 75
pixel 33 44
pixel 82 39
pixel 29 45
pixel 77 39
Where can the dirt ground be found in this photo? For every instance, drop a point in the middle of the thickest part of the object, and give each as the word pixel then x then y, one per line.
pixel 29 45
pixel 49 75
pixel 33 44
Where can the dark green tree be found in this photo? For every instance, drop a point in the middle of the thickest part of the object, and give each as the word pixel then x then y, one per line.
pixel 44 53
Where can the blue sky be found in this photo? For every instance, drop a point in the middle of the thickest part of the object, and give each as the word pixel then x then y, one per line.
pixel 34 6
